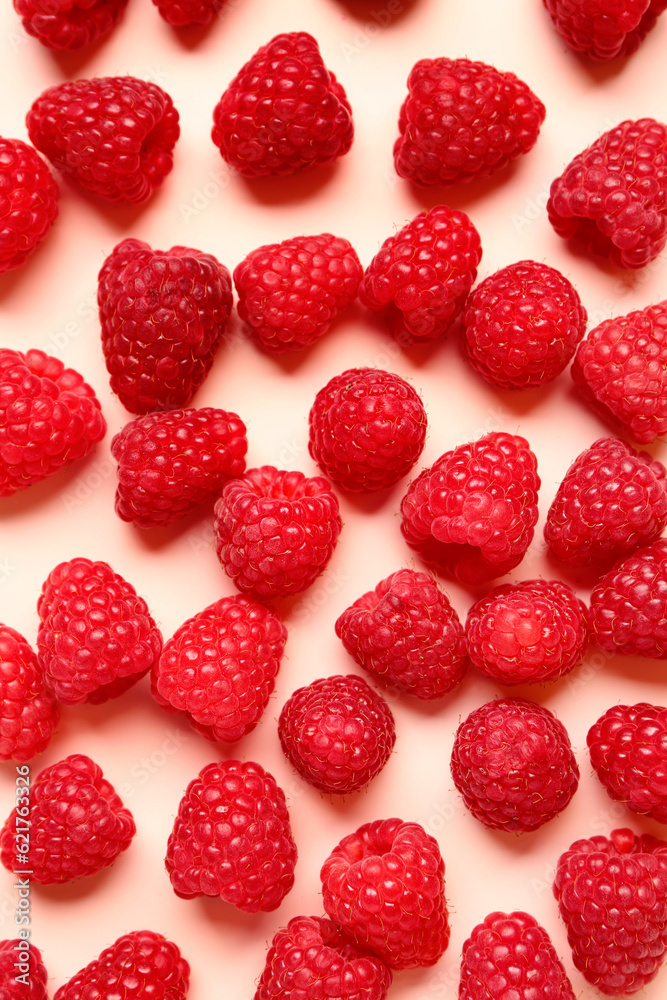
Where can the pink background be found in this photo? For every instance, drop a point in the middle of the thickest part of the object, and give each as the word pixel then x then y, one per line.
pixel 149 756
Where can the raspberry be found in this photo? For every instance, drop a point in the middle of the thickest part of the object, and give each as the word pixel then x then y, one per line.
pixel 28 202
pixel 187 13
pixel 406 633
pixel 112 136
pixel 232 838
pixel 13 955
pixel 612 895
pixel 283 112
pixel 367 429
pixel 604 31
pixel 49 418
pixel 276 531
pixel 69 24
pixel 472 514
pixel 522 326
pixel 28 712
pixel 96 637
pixel 163 314
pixel 620 370
pixel 513 764
pixel 463 119
pixel 169 464
pixel 78 824
pixel 527 632
pixel 384 885
pixel 220 667
pixel 421 276
pixel 337 733
pixel 627 607
pixel 138 965
pixel 311 958
pixel 612 198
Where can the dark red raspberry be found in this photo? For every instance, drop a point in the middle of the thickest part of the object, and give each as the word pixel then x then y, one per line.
pixel 291 292
pixel 602 30
pixel 138 965
pixel 384 885
pixel 627 608
pixel 528 632
pixel 49 418
pixel 612 895
pixel 421 276
pixel 522 325
pixel 23 975
pixel 283 112
pixel 337 733
pixel 163 314
pixel 112 136
pixel 463 119
pixel 169 464
pixel 406 633
pixel 69 24
pixel 612 198
pixel 28 712
pixel 232 838
pixel 78 824
pixel 276 531
pixel 219 668
pixel 28 202
pixel 513 764
pixel 311 958
pixel 96 637
pixel 473 513
pixel 367 429
pixel 187 13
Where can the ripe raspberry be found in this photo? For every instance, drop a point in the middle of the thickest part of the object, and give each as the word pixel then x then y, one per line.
pixel 513 764
pixel 337 733
pixel 163 314
pixel 283 112
pixel 472 514
pixel 463 119
pixel 78 824
pixel 96 637
pixel 522 326
pixel 527 632
pixel 232 838
pixel 49 417
pixel 312 958
pixel 627 607
pixel 384 885
pixel 291 292
pixel 612 895
pixel 220 667
pixel 367 429
pixel 28 712
pixel 13 955
pixel 612 198
pixel 69 24
pixel 406 633
pixel 604 31
pixel 276 531
pixel 187 13
pixel 112 136
pixel 421 276
pixel 28 202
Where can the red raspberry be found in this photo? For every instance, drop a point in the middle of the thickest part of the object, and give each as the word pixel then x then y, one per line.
pixel 528 632
pixel 421 276
pixel 513 764
pixel 463 119
pixel 163 314
pixel 627 608
pixel 78 824
pixel 49 418
pixel 384 885
pixel 69 24
pixel 522 326
pixel 232 838
pixel 28 202
pixel 28 712
pixel 472 514
pixel 612 894
pixel 612 198
pixel 312 958
pixel 112 136
pixel 96 637
pixel 337 733
pixel 367 429
pixel 283 112
pixel 604 31
pixel 219 668
pixel 32 985
pixel 276 531
pixel 187 13
pixel 406 633
pixel 138 965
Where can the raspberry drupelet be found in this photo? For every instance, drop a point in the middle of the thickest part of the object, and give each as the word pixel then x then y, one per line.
pixel 189 13
pixel 22 952
pixel 603 31
pixel 69 24
pixel 28 711
pixel 28 202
